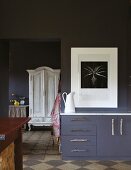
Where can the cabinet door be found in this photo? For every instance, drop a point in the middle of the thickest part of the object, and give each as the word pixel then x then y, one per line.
pixel 124 132
pixel 114 136
pixel 107 138
pixel 38 94
pixel 49 92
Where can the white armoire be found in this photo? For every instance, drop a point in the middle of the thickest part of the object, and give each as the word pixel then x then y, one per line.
pixel 43 88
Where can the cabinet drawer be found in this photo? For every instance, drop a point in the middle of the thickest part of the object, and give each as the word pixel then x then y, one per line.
pixel 79 150
pixel 79 120
pixel 84 129
pixel 78 140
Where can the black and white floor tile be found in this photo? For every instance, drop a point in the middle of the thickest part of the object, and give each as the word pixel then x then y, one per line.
pixel 55 163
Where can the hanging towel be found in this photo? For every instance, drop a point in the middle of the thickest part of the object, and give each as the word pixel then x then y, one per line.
pixel 55 115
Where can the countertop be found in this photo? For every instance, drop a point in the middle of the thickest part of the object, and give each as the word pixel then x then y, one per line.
pixel 104 113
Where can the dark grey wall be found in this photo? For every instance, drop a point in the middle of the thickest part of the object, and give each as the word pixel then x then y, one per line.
pixel 78 24
pixel 129 60
pixel 4 77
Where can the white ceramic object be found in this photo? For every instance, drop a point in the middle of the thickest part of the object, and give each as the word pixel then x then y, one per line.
pixel 69 102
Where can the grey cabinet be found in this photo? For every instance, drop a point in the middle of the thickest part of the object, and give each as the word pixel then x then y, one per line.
pixel 96 137
pixel 78 137
pixel 114 136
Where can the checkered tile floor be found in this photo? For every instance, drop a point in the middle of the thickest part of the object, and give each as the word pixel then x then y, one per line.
pixel 42 155
pixel 54 162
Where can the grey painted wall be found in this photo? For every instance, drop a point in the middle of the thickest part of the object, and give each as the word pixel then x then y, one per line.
pixel 4 77
pixel 78 24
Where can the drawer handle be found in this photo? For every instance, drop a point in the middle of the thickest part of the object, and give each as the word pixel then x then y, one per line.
pixel 79 119
pixel 78 150
pixel 78 140
pixel 113 130
pixel 79 130
pixel 121 126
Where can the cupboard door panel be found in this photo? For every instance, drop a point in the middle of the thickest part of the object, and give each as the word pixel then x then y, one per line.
pixel 50 92
pixel 117 144
pixel 124 135
pixel 38 106
pixel 107 136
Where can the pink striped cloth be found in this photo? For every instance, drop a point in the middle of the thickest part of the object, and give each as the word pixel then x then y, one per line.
pixel 55 115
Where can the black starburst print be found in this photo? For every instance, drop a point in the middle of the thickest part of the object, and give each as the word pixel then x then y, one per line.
pixel 94 74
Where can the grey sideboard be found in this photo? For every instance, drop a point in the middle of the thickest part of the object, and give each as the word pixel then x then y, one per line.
pixel 96 136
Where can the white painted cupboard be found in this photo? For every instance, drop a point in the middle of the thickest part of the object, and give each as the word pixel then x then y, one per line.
pixel 43 88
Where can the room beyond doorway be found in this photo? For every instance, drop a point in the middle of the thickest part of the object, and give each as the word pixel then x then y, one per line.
pixel 29 54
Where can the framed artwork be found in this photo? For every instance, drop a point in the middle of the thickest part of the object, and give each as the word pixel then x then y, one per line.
pixel 94 77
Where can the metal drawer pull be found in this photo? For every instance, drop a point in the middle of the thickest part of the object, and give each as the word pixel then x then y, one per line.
pixel 121 126
pixel 113 133
pixel 78 150
pixel 78 140
pixel 79 119
pixel 79 130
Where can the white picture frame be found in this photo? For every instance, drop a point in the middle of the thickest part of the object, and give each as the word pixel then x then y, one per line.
pixel 94 77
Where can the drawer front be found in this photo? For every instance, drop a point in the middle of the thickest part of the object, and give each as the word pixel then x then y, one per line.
pixel 79 150
pixel 77 120
pixel 84 129
pixel 78 140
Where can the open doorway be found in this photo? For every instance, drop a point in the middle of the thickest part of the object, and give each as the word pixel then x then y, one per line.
pixel 30 54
